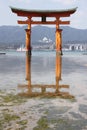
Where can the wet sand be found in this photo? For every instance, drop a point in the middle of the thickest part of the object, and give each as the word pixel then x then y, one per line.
pixel 45 113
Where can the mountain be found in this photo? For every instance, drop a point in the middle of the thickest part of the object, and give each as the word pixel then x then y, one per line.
pixel 12 34
pixel 72 34
pixel 68 33
pixel 15 35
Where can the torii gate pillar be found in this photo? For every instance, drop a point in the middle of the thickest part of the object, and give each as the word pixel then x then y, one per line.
pixel 28 43
pixel 58 70
pixel 28 40
pixel 58 41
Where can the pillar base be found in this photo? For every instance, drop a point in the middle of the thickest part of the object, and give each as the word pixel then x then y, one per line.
pixel 57 91
pixel 59 52
pixel 28 52
pixel 27 79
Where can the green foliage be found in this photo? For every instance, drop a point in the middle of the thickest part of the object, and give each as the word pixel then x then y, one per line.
pixel 42 124
pixel 11 98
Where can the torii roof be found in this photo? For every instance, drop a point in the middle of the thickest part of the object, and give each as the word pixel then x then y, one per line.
pixel 40 13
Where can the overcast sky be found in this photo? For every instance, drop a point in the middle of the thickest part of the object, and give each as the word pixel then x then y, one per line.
pixel 78 19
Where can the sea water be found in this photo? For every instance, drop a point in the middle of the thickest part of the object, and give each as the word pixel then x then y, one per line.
pixel 43 69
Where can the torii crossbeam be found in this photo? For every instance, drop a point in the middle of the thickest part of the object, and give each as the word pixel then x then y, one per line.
pixel 44 14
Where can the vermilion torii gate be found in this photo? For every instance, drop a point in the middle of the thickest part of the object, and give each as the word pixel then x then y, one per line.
pixel 44 14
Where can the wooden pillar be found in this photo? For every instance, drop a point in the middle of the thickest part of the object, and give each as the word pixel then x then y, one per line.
pixel 28 39
pixel 58 39
pixel 43 90
pixel 28 42
pixel 58 71
pixel 28 69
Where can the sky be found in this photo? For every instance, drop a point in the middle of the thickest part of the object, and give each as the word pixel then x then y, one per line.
pixel 77 20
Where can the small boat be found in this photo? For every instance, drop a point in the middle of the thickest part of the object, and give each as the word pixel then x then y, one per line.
pixel 22 48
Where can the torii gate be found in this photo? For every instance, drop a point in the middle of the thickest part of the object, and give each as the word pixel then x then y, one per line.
pixel 43 87
pixel 43 14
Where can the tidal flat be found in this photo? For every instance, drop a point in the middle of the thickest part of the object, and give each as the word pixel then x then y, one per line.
pixel 37 113
pixel 43 92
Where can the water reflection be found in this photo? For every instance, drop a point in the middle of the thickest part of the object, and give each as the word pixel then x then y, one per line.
pixel 33 90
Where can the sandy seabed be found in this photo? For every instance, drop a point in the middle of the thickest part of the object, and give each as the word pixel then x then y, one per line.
pixel 42 113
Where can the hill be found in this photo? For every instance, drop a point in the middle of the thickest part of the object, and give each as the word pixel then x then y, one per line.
pixel 15 35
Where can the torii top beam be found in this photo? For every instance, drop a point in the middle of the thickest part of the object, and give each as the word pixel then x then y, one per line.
pixel 40 13
pixel 43 14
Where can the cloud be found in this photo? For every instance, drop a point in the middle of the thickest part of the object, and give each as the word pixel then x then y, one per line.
pixel 64 2
pixel 78 20
pixel 26 1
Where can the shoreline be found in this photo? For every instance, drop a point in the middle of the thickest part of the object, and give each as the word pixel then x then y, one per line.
pixel 33 113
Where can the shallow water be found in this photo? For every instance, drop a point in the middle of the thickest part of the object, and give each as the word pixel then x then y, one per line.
pixel 46 69
pixel 43 70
